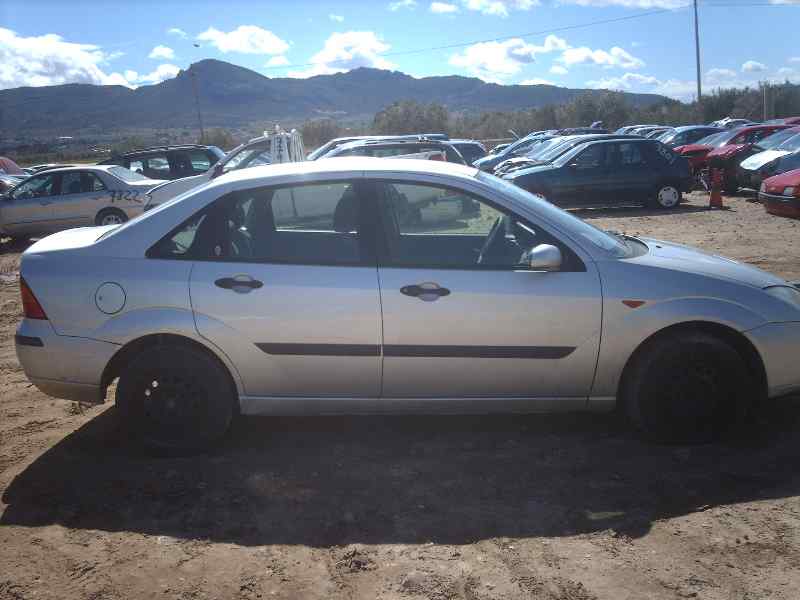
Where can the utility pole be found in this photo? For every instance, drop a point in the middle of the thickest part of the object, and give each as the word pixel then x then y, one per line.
pixel 697 54
pixel 197 104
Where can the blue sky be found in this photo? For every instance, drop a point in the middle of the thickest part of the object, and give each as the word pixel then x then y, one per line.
pixel 47 42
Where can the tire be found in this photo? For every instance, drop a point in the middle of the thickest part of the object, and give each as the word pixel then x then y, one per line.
pixel 667 197
pixel 174 398
pixel 110 216
pixel 687 387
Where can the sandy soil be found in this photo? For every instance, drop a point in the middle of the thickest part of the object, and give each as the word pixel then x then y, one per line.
pixel 566 508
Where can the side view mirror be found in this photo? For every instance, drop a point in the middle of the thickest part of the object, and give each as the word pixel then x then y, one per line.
pixel 217 171
pixel 545 257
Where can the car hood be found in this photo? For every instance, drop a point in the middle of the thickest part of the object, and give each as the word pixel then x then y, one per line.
pixel 778 182
pixel 757 161
pixel 726 150
pixel 693 260
pixel 691 148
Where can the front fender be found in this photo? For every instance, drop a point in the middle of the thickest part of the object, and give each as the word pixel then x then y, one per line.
pixel 625 329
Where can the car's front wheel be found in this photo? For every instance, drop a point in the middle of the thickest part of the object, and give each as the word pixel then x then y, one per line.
pixel 667 196
pixel 687 387
pixel 174 397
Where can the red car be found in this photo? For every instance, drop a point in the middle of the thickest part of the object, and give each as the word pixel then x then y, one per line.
pixel 725 146
pixel 780 194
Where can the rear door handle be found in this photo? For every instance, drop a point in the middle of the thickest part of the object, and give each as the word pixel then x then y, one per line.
pixel 239 283
pixel 427 291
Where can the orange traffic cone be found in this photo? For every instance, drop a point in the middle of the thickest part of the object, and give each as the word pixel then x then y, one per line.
pixel 715 200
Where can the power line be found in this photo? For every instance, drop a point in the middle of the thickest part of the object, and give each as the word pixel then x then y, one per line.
pixel 500 39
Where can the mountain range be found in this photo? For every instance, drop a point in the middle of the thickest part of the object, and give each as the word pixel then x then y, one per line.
pixel 233 96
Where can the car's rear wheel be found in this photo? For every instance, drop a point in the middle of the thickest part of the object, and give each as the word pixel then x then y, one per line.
pixel 667 196
pixel 175 398
pixel 110 216
pixel 687 387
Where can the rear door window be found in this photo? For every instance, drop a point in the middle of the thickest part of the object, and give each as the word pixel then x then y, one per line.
pixel 71 183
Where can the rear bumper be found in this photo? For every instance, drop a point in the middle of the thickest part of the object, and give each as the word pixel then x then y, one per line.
pixel 777 344
pixel 62 366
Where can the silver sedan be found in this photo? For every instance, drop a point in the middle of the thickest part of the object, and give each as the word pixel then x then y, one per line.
pixel 301 289
pixel 73 197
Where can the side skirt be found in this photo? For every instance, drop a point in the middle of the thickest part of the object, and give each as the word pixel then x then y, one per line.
pixel 300 406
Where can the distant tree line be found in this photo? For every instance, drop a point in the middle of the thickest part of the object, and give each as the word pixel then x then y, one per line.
pixel 612 108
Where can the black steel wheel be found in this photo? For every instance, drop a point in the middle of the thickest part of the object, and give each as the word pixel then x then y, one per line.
pixel 175 398
pixel 687 387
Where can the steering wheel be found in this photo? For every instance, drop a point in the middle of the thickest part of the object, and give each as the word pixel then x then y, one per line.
pixel 496 234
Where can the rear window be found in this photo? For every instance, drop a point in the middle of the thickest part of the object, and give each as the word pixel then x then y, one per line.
pixel 126 174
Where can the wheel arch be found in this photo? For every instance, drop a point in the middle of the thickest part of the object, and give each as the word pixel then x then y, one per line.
pixel 109 209
pixel 743 346
pixel 133 348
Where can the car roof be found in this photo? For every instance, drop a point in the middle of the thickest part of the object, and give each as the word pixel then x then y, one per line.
pixel 164 149
pixel 104 168
pixel 347 164
pixel 387 142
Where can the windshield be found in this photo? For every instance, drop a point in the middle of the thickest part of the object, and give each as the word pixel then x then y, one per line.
pixel 710 140
pixel 126 174
pixel 790 162
pixel 560 148
pixel 568 222
pixel 776 139
pixel 723 138
pixel 251 156
pixel 791 144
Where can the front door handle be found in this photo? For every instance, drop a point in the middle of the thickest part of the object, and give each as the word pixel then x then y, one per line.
pixel 427 292
pixel 240 283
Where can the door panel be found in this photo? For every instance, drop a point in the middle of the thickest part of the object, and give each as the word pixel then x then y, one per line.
pixel 309 331
pixel 30 211
pixel 288 289
pixel 72 207
pixel 586 181
pixel 631 178
pixel 482 325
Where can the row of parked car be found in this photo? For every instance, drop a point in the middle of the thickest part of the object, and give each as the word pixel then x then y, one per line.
pixel 577 167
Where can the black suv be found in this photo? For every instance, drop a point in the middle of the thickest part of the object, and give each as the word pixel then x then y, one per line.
pixel 168 162
pixel 388 148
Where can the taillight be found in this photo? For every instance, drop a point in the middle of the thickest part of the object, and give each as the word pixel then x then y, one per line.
pixel 31 308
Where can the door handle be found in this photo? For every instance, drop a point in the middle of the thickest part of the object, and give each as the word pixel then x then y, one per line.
pixel 427 292
pixel 240 283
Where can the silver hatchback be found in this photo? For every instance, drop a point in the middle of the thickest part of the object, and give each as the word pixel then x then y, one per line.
pixel 348 286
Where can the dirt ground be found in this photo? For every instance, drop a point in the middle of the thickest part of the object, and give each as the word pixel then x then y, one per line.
pixel 552 508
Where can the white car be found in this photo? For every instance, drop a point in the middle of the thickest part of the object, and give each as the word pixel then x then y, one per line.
pixel 245 297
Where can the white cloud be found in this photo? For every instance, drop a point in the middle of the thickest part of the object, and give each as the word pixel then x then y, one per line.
pixel 49 60
pixel 345 51
pixel 558 70
pixel 669 4
pixel 787 72
pixel 623 82
pixel 245 39
pixel 615 57
pixel 336 18
pixel 411 4
pixel 162 52
pixel 500 8
pixel 443 8
pixel 536 81
pixel 752 66
pixel 720 74
pixel 277 61
pixel 795 59
pixel 162 72
pixel 496 61
pixel 177 32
